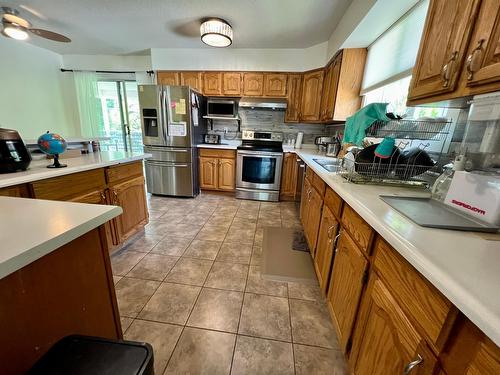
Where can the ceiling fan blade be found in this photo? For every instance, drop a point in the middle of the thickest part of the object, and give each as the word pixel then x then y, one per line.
pixel 50 35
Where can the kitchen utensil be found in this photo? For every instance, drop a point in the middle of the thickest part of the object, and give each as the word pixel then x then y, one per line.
pixel 321 142
pixel 413 162
pixel 385 148
pixel 298 141
pixel 333 148
pixel 367 163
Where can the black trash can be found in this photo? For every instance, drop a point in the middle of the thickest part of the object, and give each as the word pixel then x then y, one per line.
pixel 85 355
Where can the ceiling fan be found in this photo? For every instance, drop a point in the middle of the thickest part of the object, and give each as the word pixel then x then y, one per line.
pixel 17 27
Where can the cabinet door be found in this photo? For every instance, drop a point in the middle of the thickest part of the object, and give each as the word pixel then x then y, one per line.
pixel 314 217
pixel 275 84
pixel 483 61
pixel 226 178
pixel 212 83
pixel 253 84
pixel 294 97
pixel 334 84
pixel 289 176
pixel 312 86
pixel 100 197
pixel 323 257
pixel 326 91
pixel 346 284
pixel 208 173
pixel 192 79
pixel 20 191
pixel 168 78
pixel 304 203
pixel 131 197
pixel 442 47
pixel 231 84
pixel 385 342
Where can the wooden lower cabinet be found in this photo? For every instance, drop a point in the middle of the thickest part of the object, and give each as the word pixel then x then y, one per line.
pixel 385 342
pixel 346 284
pixel 130 196
pixel 19 191
pixel 315 205
pixel 226 174
pixel 289 174
pixel 217 169
pixel 323 257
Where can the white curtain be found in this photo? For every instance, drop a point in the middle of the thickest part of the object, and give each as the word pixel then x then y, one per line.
pixel 89 106
pixel 393 54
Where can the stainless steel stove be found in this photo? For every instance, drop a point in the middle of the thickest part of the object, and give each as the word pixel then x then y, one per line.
pixel 258 166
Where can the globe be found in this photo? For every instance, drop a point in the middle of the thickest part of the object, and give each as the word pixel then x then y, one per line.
pixel 52 144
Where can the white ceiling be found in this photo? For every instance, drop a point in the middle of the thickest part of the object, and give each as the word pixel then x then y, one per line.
pixel 134 26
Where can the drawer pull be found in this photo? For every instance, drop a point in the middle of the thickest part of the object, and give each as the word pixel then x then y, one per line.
pixel 410 366
pixel 471 60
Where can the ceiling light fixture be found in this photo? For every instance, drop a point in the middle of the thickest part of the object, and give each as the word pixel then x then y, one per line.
pixel 14 31
pixel 216 32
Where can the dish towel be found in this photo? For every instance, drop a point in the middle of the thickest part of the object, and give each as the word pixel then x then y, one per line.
pixel 356 125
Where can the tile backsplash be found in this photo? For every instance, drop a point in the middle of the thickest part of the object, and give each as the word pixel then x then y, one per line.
pixel 259 119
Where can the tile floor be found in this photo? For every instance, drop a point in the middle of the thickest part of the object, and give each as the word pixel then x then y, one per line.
pixel 190 285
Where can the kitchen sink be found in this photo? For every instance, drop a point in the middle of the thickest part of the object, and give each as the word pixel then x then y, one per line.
pixel 330 164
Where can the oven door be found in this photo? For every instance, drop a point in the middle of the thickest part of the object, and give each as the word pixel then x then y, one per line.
pixel 259 170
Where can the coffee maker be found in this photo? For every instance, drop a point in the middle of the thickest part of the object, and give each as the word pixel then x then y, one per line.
pixel 14 155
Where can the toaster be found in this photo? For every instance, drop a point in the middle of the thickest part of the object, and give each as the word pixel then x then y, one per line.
pixel 14 155
pixel 211 139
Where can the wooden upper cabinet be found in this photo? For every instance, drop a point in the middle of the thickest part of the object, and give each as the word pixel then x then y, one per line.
pixel 168 78
pixel 385 342
pixel 192 79
pixel 294 97
pixel 275 84
pixel 289 176
pixel 323 257
pixel 253 84
pixel 227 174
pixel 346 284
pixel 483 61
pixel 231 84
pixel 212 83
pixel 312 86
pixel 326 92
pixel 443 47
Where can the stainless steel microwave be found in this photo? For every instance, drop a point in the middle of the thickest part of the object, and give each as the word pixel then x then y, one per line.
pixel 227 108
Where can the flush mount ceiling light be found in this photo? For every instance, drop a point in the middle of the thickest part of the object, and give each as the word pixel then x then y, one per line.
pixel 14 31
pixel 216 32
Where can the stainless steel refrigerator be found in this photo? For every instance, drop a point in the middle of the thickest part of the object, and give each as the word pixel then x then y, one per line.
pixel 172 126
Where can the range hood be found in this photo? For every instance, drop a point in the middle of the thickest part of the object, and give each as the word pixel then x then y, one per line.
pixel 277 104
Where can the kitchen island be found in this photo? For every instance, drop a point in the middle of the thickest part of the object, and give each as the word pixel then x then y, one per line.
pixel 435 290
pixel 115 178
pixel 55 277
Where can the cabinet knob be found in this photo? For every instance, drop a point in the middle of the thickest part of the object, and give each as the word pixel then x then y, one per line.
pixel 103 197
pixel 471 60
pixel 410 366
pixel 115 196
pixel 447 69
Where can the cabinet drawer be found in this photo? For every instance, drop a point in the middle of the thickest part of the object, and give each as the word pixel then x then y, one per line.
pixel 334 202
pixel 69 186
pixel 319 184
pixel 124 171
pixel 217 153
pixel 21 191
pixel 359 229
pixel 419 299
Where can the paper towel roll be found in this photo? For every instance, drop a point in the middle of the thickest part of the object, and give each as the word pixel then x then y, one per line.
pixel 298 141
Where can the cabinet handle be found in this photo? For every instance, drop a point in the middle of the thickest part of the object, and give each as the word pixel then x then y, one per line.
pixel 329 232
pixel 471 58
pixel 335 241
pixel 410 366
pixel 446 71
pixel 115 197
pixel 103 197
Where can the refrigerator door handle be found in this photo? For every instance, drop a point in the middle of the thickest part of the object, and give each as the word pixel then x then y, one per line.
pixel 166 108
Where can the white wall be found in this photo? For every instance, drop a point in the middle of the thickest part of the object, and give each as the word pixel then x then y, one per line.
pixel 107 62
pixel 34 94
pixel 283 59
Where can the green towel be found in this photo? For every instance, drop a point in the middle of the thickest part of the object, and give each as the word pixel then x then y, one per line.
pixel 356 125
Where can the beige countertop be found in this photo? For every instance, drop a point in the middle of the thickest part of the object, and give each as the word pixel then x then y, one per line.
pixel 38 168
pixel 32 228
pixel 464 266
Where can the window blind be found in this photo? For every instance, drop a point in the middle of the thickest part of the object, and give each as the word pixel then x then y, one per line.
pixel 393 54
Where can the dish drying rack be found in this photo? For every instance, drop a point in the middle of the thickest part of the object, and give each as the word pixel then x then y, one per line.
pixel 396 171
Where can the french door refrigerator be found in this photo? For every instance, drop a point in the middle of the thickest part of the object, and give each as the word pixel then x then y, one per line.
pixel 172 126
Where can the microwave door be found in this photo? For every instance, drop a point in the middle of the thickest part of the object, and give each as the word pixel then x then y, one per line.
pixel 178 116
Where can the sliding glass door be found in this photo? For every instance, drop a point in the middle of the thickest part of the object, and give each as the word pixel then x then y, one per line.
pixel 120 121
